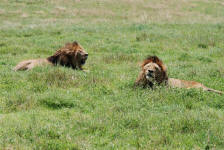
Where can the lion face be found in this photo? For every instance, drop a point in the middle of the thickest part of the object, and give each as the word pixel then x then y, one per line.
pixel 152 71
pixel 81 56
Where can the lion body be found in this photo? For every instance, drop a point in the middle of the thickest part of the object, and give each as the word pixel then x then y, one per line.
pixel 71 55
pixel 153 72
pixel 29 64
pixel 184 84
pixel 177 83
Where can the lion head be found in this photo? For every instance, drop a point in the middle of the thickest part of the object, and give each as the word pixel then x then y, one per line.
pixel 71 55
pixel 153 71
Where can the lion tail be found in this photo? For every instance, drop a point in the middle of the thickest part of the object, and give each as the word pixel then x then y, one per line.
pixel 213 90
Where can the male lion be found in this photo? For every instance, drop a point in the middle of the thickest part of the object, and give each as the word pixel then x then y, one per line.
pixel 154 72
pixel 71 55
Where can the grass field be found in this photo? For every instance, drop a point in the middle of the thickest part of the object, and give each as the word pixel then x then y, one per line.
pixel 59 108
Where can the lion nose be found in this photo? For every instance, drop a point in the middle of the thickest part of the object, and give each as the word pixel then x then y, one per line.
pixel 150 71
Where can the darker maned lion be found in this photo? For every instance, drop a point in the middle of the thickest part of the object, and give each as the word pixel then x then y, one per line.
pixel 71 55
pixel 154 72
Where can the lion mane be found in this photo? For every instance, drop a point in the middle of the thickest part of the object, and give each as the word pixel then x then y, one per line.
pixel 71 55
pixel 153 72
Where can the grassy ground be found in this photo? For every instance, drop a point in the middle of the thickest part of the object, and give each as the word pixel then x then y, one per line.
pixel 59 108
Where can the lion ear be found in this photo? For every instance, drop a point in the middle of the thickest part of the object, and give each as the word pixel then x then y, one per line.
pixel 75 43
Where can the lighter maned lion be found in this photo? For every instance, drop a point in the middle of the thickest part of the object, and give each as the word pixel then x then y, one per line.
pixel 71 55
pixel 154 72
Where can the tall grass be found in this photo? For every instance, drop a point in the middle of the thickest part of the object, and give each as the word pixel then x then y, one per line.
pixel 60 108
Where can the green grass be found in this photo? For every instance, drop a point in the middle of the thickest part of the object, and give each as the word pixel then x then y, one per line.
pixel 59 108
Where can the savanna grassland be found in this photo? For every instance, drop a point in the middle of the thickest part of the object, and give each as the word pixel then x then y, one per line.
pixel 59 108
